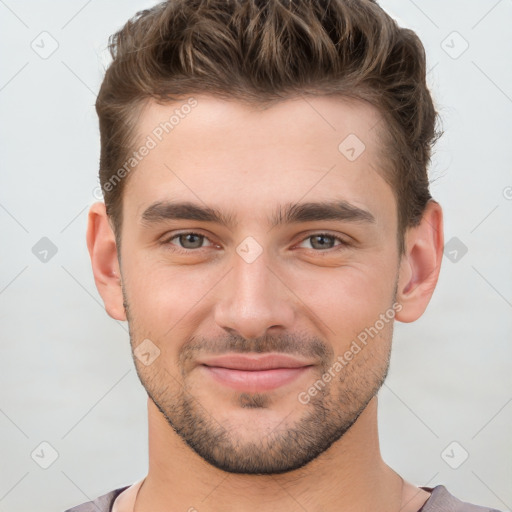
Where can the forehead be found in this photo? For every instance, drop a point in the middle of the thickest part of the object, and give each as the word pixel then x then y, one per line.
pixel 285 123
pixel 243 157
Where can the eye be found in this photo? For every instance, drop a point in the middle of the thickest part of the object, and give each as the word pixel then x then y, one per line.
pixel 323 241
pixel 188 241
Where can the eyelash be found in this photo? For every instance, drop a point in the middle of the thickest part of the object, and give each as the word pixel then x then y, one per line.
pixel 176 248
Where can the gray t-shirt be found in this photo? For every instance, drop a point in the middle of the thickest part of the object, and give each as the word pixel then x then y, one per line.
pixel 440 501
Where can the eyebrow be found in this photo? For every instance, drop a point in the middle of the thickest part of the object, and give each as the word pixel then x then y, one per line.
pixel 290 213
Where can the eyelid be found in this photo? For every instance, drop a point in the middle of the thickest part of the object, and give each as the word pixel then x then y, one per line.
pixel 167 240
pixel 343 242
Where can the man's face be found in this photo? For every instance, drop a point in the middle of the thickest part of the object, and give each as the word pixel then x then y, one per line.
pixel 277 279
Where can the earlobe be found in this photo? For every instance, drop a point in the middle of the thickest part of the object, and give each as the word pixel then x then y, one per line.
pixel 102 248
pixel 421 264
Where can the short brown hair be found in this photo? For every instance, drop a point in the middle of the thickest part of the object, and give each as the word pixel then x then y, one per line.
pixel 263 51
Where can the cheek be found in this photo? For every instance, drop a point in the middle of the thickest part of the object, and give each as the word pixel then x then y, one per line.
pixel 161 295
pixel 346 299
pixel 164 299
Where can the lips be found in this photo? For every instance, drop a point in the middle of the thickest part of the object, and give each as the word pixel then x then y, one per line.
pixel 254 373
pixel 254 363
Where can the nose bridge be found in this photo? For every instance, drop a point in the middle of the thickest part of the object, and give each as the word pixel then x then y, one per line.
pixel 253 299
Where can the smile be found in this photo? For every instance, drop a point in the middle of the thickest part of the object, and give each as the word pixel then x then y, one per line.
pixel 255 374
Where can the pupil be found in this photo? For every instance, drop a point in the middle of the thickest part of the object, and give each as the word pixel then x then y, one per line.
pixel 323 240
pixel 189 238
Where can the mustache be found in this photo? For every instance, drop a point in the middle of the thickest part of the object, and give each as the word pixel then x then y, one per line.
pixel 298 344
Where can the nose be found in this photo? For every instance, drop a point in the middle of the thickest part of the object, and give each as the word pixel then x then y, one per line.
pixel 254 299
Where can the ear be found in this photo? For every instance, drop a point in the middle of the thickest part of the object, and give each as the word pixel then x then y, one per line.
pixel 421 263
pixel 105 265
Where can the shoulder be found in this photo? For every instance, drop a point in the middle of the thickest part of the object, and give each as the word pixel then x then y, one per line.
pixel 101 504
pixel 442 501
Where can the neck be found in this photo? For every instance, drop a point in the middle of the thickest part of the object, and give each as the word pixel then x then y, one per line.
pixel 349 476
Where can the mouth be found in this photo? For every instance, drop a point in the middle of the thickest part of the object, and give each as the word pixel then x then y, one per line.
pixel 255 373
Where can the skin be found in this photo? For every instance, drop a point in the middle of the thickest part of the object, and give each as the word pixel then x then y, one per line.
pixel 239 451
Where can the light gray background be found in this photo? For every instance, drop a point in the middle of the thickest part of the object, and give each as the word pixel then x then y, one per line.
pixel 66 374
